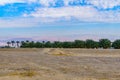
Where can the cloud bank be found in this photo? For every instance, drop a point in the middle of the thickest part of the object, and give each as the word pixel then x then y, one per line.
pixel 34 12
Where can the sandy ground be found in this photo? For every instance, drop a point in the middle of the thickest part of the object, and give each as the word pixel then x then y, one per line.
pixel 59 64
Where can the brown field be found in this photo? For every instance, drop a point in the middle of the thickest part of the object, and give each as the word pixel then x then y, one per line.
pixel 59 64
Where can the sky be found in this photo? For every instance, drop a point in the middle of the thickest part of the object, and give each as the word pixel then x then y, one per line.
pixel 63 20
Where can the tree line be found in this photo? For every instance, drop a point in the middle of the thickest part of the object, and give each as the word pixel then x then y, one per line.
pixel 89 43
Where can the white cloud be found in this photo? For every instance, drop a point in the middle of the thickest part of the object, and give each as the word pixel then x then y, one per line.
pixel 82 13
pixel 3 2
pixel 67 12
pixel 49 15
pixel 104 3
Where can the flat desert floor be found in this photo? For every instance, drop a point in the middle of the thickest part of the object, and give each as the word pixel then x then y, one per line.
pixel 59 64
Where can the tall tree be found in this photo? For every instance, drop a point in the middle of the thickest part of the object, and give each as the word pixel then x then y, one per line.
pixel 116 44
pixel 91 43
pixel 105 43
pixel 27 41
pixel 8 43
pixel 12 42
pixel 96 44
pixel 79 44
pixel 43 44
pixel 31 44
pixel 57 44
pixel 67 44
pixel 18 42
pixel 24 44
pixel 38 45
pixel 48 44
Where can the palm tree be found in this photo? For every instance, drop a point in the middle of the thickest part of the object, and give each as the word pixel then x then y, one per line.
pixel 17 43
pixel 13 42
pixel 8 44
pixel 22 44
pixel 27 41
pixel 43 44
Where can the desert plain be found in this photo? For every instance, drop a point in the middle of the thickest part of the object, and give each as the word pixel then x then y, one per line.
pixel 59 64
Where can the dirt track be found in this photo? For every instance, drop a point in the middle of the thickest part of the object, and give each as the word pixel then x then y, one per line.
pixel 59 64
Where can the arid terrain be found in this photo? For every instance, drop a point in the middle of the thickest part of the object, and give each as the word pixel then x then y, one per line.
pixel 59 64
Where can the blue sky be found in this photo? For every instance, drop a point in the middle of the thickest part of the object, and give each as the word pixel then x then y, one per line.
pixel 59 19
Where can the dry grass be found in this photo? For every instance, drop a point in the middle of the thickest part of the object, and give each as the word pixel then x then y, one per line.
pixel 29 73
pixel 59 64
pixel 57 52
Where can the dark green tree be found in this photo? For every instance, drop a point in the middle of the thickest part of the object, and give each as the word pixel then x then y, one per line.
pixel 48 44
pixel 116 44
pixel 27 41
pixel 31 44
pixel 79 44
pixel 57 44
pixel 96 44
pixel 38 45
pixel 67 44
pixel 24 44
pixel 91 43
pixel 104 43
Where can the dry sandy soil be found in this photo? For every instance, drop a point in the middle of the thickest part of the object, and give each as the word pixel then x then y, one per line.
pixel 59 64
